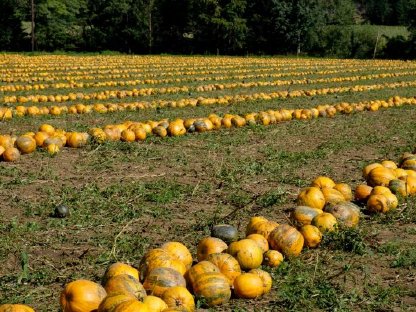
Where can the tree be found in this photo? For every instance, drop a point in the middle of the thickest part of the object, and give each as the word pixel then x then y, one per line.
pixel 11 32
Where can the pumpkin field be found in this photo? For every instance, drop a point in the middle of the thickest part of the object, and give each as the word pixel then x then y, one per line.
pixel 173 183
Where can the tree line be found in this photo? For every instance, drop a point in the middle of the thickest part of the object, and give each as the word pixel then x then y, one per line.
pixel 314 27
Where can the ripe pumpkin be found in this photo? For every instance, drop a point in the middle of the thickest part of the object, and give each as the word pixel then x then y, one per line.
pixel 47 128
pixel 346 213
pixel 411 184
pixel 248 286
pixel 52 149
pixel 179 252
pixel 272 258
pixel 380 176
pixel 380 190
pixel 6 141
pixel 15 308
pixel 325 222
pixel 179 297
pixel 176 129
pixel 155 304
pixel 26 144
pixel 345 190
pixel 322 182
pixel 119 268
pixel 213 288
pixel 377 203
pixel 303 215
pixel 367 169
pixel 131 305
pixel 77 139
pixel 81 296
pixel 389 164
pixel 11 154
pixel 287 240
pixel 409 164
pixel 398 186
pixel 332 195
pixel 208 246
pixel 392 201
pixel 362 192
pixel 312 197
pixel 312 235
pixel 225 232
pixel 160 131
pixel 127 135
pixel 227 264
pixel 265 278
pixel 125 284
pixel 260 240
pixel 248 254
pixel 399 172
pixel 252 222
pixel 154 258
pixel 198 269
pixel 263 228
pixel 111 301
pixel 160 279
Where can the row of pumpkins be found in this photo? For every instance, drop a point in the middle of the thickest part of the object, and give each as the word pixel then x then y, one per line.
pixel 54 139
pixel 167 277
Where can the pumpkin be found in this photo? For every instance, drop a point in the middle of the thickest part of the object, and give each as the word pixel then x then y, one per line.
pixel 411 184
pixel 199 269
pixel 179 297
pixel 380 176
pixel 140 133
pixel 179 252
pixel 227 264
pixel 154 258
pixel 322 182
pixel 77 139
pixel 81 296
pixel 272 258
pixel 125 284
pixel 367 169
pixel 47 128
pixel 160 279
pixel 52 149
pixel 155 304
pixel 362 192
pixel 389 164
pixel 252 222
pixel 176 129
pixel 392 201
pixel 119 268
pixel 213 288
pixel 311 234
pixel 6 141
pixel 111 301
pixel 208 246
pixel 346 213
pixel 2 149
pixel 26 144
pixel 332 196
pixel 248 286
pixel 303 214
pixel 287 240
pixel 131 305
pixel 225 232
pixel 398 186
pixel 312 197
pixel 380 190
pixel 160 131
pixel 345 190
pixel 409 164
pixel 263 228
pixel 15 308
pixel 325 222
pixel 399 172
pixel 265 278
pixel 127 135
pixel 11 154
pixel 248 254
pixel 260 240
pixel 377 203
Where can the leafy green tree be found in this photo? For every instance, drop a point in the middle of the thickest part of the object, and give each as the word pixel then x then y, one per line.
pixel 11 32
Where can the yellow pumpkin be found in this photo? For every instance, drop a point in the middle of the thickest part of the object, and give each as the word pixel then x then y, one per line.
pixel 119 268
pixel 303 214
pixel 160 131
pixel 265 278
pixel 325 222
pixel 380 176
pixel 81 296
pixel 155 304
pixel 346 213
pixel 198 269
pixel 176 128
pixel 286 239
pixel 377 203
pixel 367 169
pixel 128 136
pixel 322 182
pixel 11 154
pixel 213 288
pixel 252 222
pixel 125 284
pixel 208 246
pixel 132 305
pixel 260 240
pixel 263 228
pixel 248 286
pixel 247 252
pixel 332 195
pixel 311 234
pixel 15 308
pixel 112 301
pixel 409 164
pixel 311 197
pixel 77 139
pixel 389 164
pixel 155 258
pixel 345 190
pixel 179 297
pixel 160 279
pixel 227 264
pixel 362 192
pixel 26 144
pixel 179 252
pixel 272 258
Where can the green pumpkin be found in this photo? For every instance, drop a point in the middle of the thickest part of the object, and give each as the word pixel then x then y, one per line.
pixel 225 232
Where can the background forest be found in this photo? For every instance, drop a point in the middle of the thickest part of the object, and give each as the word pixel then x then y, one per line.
pixel 339 28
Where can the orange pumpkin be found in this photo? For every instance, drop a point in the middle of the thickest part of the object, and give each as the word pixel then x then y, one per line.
pixel 128 135
pixel 160 131
pixel 263 228
pixel 208 246
pixel 176 129
pixel 131 305
pixel 362 192
pixel 77 139
pixel 180 298
pixel 81 296
pixel 155 258
pixel 332 195
pixel 111 301
pixel 265 278
pixel 179 252
pixel 11 154
pixel 409 164
pixel 6 141
pixel 260 240
pixel 252 222
pixel 345 190
pixel 213 288
pixel 389 164
pixel 160 279
pixel 26 144
pixel 15 308
pixel 377 203
pixel 380 176
pixel 325 222
pixel 248 254
pixel 248 286
pixel 155 304
pixel 286 239
pixel 272 258
pixel 303 214
pixel 322 182
pixel 367 169
pixel 312 197
pixel 227 264
pixel 346 213
pixel 312 235
pixel 198 269
pixel 125 284
pixel 47 128
pixel 119 268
